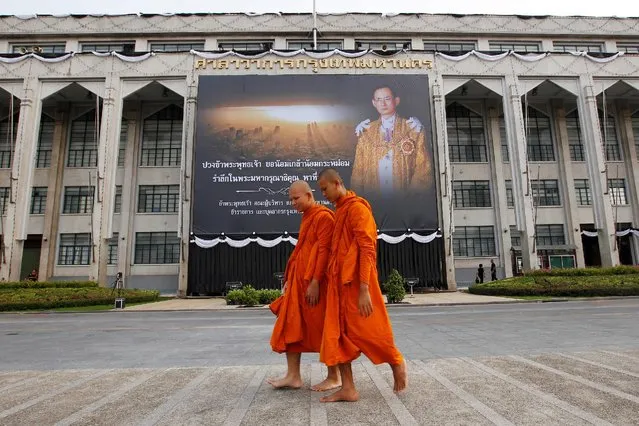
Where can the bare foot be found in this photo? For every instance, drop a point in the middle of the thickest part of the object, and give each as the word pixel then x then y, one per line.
pixel 399 375
pixel 286 382
pixel 327 385
pixel 342 395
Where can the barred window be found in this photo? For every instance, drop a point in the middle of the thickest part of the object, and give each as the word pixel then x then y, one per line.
pixel 575 46
pixel 575 140
pixel 157 248
pixel 78 199
pixel 38 199
pixel 245 46
pixel 120 47
pixel 112 256
pixel 83 146
pixel 635 130
pixel 471 193
pixel 550 235
pixel 387 45
pixel 539 138
pixel 4 199
pixel 179 46
pixel 45 141
pixel 510 201
pixel 8 140
pixel 124 128
pixel 466 138
pixel 613 152
pixel 158 198
pixel 515 236
pixel 75 249
pixel 516 46
pixel 449 45
pixel 503 136
pixel 545 192
pixel 474 241
pixel 117 202
pixel 162 138
pixel 617 190
pixel 39 48
pixel 628 47
pixel 321 45
pixel 582 192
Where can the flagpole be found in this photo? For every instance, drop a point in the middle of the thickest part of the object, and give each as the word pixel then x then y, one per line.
pixel 314 27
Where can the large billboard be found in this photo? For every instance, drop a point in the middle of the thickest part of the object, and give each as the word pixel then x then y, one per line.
pixel 256 135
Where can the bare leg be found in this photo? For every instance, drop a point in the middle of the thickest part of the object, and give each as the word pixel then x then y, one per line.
pixel 399 375
pixel 293 378
pixel 348 391
pixel 333 380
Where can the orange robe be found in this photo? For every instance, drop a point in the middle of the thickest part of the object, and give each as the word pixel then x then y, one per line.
pixel 298 327
pixel 353 260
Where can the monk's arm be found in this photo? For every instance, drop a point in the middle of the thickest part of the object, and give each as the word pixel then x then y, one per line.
pixel 365 233
pixel 324 230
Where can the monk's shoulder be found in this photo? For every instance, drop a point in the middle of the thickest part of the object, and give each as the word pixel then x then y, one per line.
pixel 359 209
pixel 325 215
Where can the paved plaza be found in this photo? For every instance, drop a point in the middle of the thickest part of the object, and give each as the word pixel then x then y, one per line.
pixel 568 363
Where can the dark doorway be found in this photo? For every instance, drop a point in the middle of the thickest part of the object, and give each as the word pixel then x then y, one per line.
pixel 592 255
pixel 624 244
pixel 31 255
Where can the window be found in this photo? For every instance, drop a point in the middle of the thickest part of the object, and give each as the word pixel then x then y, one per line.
pixel 117 202
pixel 617 190
pixel 609 135
pixel 180 46
pixel 39 48
pixel 38 199
pixel 158 198
pixel 45 142
pixel 123 142
pixel 550 235
pixel 8 135
pixel 628 47
pixel 545 192
pixel 574 46
pixel 510 202
pixel 515 236
pixel 635 130
pixel 575 140
pixel 4 199
pixel 157 248
pixel 474 241
pixel 385 45
pixel 75 249
pixel 516 46
pixel 466 138
pixel 503 139
pixel 83 146
pixel 120 47
pixel 112 256
pixel 539 137
pixel 78 199
pixel 449 45
pixel 162 138
pixel 471 193
pixel 582 192
pixel 245 46
pixel 321 45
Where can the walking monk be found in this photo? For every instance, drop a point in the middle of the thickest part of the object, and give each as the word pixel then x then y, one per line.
pixel 300 310
pixel 356 318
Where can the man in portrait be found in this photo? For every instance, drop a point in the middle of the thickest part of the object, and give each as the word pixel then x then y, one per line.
pixel 391 154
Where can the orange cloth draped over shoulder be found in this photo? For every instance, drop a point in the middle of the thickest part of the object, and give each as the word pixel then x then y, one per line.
pixel 299 326
pixel 353 259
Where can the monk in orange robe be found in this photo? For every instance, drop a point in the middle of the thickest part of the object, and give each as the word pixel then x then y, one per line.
pixel 356 317
pixel 300 310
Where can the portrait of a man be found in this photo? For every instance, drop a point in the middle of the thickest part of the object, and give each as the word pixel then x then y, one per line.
pixel 391 155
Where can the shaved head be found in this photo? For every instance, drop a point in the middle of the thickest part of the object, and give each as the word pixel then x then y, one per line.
pixel 301 185
pixel 301 196
pixel 331 185
pixel 331 175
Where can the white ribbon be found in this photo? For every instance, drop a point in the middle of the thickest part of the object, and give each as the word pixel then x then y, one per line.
pixel 599 60
pixel 495 57
pixel 314 55
pixel 38 57
pixel 618 233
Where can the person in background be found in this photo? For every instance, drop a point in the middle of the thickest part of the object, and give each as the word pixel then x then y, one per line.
pixel 493 270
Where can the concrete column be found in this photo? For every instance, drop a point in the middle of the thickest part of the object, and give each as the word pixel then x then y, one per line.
pixel 498 187
pixel 54 192
pixel 629 155
pixel 127 212
pixel 522 195
pixel 444 180
pixel 109 145
pixel 23 163
pixel 186 181
pixel 595 161
pixel 568 183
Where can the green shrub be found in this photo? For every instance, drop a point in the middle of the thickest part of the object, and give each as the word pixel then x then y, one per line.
pixel 251 296
pixel 268 296
pixel 234 297
pixel 584 272
pixel 248 296
pixel 47 284
pixel 394 286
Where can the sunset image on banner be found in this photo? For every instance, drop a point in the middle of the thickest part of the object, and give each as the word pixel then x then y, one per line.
pixel 256 135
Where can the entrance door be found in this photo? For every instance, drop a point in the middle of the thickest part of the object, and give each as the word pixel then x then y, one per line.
pixel 592 255
pixel 31 255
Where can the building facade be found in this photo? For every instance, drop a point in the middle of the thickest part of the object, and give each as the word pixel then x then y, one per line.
pixel 535 123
